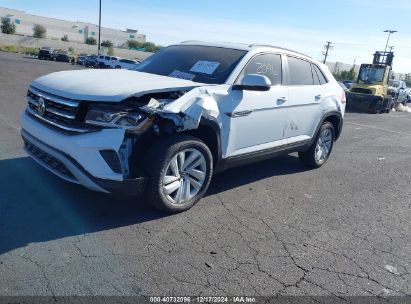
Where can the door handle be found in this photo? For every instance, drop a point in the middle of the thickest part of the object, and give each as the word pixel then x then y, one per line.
pixel 318 97
pixel 281 100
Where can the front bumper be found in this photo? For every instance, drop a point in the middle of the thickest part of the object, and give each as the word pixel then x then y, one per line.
pixel 77 158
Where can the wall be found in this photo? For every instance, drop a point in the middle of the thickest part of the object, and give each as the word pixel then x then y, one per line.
pixel 76 31
pixel 27 41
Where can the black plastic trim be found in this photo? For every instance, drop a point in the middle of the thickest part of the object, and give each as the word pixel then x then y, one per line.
pixel 248 158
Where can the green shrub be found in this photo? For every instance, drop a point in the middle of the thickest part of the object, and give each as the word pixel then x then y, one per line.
pixel 7 27
pixel 107 43
pixel 8 48
pixel 30 51
pixel 91 41
pixel 110 51
pixel 39 31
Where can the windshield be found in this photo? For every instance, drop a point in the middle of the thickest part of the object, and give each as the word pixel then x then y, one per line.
pixel 394 83
pixel 371 74
pixel 211 65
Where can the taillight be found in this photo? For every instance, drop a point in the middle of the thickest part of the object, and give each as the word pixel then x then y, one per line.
pixel 343 97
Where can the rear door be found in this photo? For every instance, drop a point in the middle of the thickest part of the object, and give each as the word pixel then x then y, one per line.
pixel 305 95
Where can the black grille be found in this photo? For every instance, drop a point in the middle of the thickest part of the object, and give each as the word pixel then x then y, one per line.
pixel 361 91
pixel 47 159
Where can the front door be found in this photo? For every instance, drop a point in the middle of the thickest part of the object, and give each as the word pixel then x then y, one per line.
pixel 257 119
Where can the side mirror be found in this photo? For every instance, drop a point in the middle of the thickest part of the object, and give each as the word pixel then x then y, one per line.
pixel 254 82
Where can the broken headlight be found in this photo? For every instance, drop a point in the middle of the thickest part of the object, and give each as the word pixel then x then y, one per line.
pixel 127 119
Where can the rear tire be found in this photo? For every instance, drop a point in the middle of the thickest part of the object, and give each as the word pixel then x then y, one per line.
pixel 319 152
pixel 174 185
pixel 118 67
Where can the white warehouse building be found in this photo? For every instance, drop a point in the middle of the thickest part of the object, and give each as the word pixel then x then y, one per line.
pixel 76 31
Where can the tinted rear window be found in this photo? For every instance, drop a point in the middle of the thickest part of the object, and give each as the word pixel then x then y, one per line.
pixel 319 74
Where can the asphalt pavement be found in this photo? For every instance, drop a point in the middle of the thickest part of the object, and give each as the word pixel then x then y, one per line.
pixel 269 228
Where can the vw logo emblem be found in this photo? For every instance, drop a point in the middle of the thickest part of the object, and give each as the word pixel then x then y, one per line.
pixel 41 106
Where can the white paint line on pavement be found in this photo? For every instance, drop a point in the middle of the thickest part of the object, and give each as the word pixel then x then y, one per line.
pixel 376 128
pixel 9 124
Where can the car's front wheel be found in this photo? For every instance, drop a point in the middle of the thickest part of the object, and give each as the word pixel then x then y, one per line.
pixel 320 150
pixel 179 170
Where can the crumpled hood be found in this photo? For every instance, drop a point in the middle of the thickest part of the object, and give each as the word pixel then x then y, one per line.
pixel 107 85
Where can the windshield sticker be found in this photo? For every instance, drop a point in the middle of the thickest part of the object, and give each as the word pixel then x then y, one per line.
pixel 205 67
pixel 182 75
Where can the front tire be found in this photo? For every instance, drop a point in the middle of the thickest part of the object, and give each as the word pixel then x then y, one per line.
pixel 320 150
pixel 378 106
pixel 179 170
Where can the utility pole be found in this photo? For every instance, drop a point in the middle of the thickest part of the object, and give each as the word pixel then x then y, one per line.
pixel 99 29
pixel 329 46
pixel 388 39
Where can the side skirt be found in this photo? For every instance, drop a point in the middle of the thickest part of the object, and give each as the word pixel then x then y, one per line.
pixel 240 160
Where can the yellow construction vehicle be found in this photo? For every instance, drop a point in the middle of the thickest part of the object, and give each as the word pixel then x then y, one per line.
pixel 370 92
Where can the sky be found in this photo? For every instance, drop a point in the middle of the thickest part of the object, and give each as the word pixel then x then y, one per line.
pixel 356 27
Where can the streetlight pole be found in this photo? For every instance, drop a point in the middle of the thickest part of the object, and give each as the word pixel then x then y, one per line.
pixel 99 28
pixel 388 39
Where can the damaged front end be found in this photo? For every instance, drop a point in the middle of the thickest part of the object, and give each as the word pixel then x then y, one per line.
pixel 145 119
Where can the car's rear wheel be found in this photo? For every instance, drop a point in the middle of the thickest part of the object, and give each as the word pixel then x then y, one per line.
pixel 118 67
pixel 179 170
pixel 320 150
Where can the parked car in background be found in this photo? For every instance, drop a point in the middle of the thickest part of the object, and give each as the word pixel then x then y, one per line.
pixel 397 89
pixel 408 90
pixel 126 64
pixel 62 56
pixel 91 61
pixel 46 53
pixel 106 62
pixel 81 60
pixel 192 110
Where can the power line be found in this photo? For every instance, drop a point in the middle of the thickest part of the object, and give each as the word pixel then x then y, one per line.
pixel 329 46
pixel 99 29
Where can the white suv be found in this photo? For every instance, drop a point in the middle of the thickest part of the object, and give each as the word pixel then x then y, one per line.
pixel 189 111
pixel 104 62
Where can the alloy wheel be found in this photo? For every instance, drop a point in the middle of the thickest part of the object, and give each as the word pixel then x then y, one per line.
pixel 324 144
pixel 184 176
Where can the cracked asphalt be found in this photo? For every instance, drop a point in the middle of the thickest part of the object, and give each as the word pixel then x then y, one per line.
pixel 270 228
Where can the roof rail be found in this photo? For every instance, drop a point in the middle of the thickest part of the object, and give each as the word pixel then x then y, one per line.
pixel 278 47
pixel 187 41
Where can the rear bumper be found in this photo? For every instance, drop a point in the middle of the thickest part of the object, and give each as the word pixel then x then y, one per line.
pixel 76 158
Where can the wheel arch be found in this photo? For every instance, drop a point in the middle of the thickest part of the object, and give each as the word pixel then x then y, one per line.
pixel 209 132
pixel 335 118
